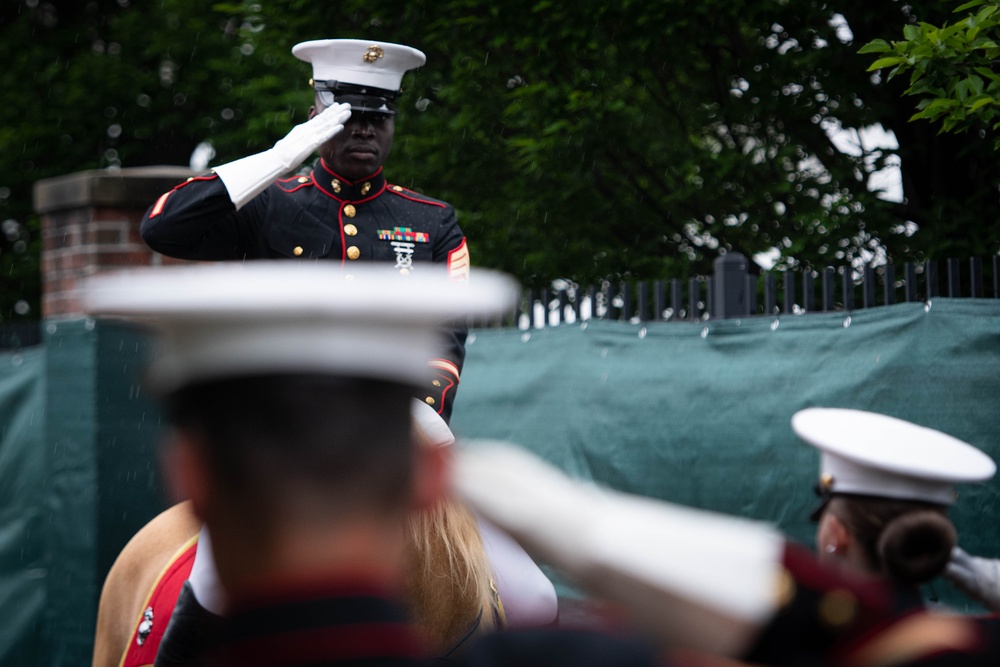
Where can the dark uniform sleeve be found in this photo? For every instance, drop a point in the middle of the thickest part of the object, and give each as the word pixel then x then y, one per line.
pixel 549 647
pixel 197 220
pixel 452 250
pixel 831 617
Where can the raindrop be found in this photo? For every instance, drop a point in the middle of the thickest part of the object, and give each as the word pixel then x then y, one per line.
pixel 11 228
pixel 21 307
pixel 89 325
pixel 227 114
pixel 4 193
pixel 704 332
pixel 167 72
pixel 583 326
pixel 247 49
pixel 20 246
pixel 847 321
pixel 16 360
pixel 774 325
pixel 422 104
pixel 51 328
pixel 526 336
pixel 143 100
pixel 927 306
pixel 115 131
pixel 642 332
pixel 471 339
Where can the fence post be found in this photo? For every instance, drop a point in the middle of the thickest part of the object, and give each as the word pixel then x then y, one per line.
pixel 729 287
pixel 675 299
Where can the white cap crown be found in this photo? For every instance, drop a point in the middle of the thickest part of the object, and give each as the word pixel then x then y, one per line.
pixel 359 62
pixel 865 453
pixel 235 319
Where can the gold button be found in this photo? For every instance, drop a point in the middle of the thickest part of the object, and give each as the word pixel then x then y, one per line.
pixel 826 481
pixel 297 251
pixel 303 179
pixel 397 188
pixel 353 252
pixel 837 608
pixel 436 383
pixel 336 185
pixel 366 187
pixel 350 230
pixel 429 401
pixel 784 589
pixel 350 211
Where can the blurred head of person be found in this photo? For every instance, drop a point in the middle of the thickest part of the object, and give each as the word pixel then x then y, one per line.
pixel 885 486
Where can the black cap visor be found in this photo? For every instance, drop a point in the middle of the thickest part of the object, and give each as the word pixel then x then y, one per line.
pixel 363 99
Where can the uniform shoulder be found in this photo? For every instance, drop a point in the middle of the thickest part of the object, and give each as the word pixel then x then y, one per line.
pixel 293 183
pixel 413 195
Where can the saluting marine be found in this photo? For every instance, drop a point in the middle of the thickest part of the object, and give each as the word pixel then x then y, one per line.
pixel 344 209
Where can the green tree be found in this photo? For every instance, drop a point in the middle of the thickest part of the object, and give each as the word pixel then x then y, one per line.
pixel 951 68
pixel 597 139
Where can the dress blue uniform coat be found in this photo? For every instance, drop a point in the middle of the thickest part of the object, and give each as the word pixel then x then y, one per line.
pixel 321 215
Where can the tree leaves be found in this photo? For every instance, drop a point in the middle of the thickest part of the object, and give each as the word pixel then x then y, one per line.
pixel 950 67
pixel 582 141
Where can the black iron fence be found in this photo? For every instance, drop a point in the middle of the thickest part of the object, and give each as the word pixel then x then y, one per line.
pixel 734 291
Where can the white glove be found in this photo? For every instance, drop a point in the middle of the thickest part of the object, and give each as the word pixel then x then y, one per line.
pixel 248 177
pixel 693 579
pixel 204 577
pixel 979 578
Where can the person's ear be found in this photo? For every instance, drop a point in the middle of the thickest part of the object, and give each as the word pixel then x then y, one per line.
pixel 185 471
pixel 431 475
pixel 312 112
pixel 833 537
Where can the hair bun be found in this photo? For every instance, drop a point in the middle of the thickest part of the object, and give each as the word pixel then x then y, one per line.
pixel 915 547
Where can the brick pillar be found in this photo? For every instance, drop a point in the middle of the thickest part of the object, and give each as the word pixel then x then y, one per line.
pixel 90 223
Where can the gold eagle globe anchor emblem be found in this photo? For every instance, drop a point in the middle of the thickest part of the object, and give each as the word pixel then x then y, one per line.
pixel 373 53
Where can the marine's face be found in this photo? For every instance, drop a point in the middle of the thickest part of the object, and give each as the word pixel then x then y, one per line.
pixel 361 147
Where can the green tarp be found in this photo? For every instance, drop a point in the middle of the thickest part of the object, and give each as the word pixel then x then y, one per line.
pixel 695 413
pixel 23 516
pixel 699 413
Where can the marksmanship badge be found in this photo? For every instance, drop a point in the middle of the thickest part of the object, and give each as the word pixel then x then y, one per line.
pixel 403 240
